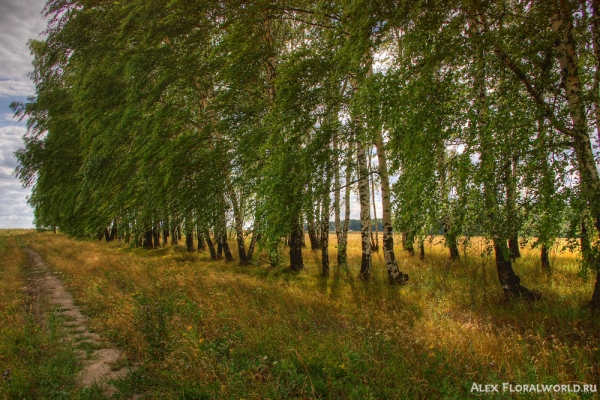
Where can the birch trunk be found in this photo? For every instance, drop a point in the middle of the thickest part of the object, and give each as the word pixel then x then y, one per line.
pixel 200 235
pixel 165 232
pixel 590 180
pixel 336 194
pixel 296 262
pixel 211 246
pixel 343 238
pixel 365 210
pixel 374 243
pixel 394 273
pixel 325 222
pixel 511 209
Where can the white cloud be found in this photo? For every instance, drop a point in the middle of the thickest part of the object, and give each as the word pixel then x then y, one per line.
pixel 20 21
pixel 11 88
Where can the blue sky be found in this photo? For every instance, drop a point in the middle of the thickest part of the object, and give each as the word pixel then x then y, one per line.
pixel 20 20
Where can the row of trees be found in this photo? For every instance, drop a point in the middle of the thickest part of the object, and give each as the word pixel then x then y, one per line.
pixel 174 115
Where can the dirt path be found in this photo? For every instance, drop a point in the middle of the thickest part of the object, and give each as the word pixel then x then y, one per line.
pixel 99 367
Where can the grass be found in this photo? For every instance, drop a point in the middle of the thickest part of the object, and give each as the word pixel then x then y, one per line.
pixel 35 363
pixel 199 329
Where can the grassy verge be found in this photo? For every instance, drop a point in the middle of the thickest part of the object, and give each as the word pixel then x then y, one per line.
pixel 202 329
pixel 35 361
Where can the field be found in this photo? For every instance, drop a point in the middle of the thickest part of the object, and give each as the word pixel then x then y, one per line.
pixel 192 328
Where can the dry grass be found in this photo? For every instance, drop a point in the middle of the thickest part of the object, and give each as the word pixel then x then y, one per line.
pixel 35 362
pixel 204 329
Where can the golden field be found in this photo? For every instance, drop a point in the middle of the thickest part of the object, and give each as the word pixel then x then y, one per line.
pixel 195 328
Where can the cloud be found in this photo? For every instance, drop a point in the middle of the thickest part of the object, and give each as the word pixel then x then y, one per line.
pixel 20 21
pixel 14 210
pixel 15 88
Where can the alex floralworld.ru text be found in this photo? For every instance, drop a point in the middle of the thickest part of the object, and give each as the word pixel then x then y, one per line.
pixel 533 388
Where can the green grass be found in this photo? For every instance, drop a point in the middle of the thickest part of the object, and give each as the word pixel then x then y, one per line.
pixel 35 360
pixel 200 329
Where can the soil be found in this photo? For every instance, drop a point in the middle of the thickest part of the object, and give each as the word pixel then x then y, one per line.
pixel 102 364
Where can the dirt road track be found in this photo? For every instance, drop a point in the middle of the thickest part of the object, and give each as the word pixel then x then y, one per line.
pixel 99 367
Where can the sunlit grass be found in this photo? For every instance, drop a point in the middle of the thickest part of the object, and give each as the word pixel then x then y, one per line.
pixel 35 362
pixel 198 328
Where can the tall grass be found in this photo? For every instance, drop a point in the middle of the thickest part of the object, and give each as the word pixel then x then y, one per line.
pixel 203 329
pixel 35 361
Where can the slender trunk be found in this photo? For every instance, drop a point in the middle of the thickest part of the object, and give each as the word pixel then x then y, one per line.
pixel 222 239
pixel 156 236
pixel 449 234
pixel 226 250
pixel 189 242
pixel 422 248
pixel 325 223
pixel 545 259
pixel 255 236
pixel 296 262
pixel 175 236
pixel 343 239
pixel 325 240
pixel 106 234
pixel 374 243
pixel 189 233
pixel 586 248
pixel 318 223
pixel 511 208
pixel 238 219
pixel 239 229
pixel 336 193
pixel 201 245
pixel 113 230
pixel 365 211
pixel 451 241
pixel 408 242
pixel 312 234
pixel 395 276
pixel 211 246
pixel 165 232
pixel 148 239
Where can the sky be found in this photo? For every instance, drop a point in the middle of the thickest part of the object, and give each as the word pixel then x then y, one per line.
pixel 20 20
